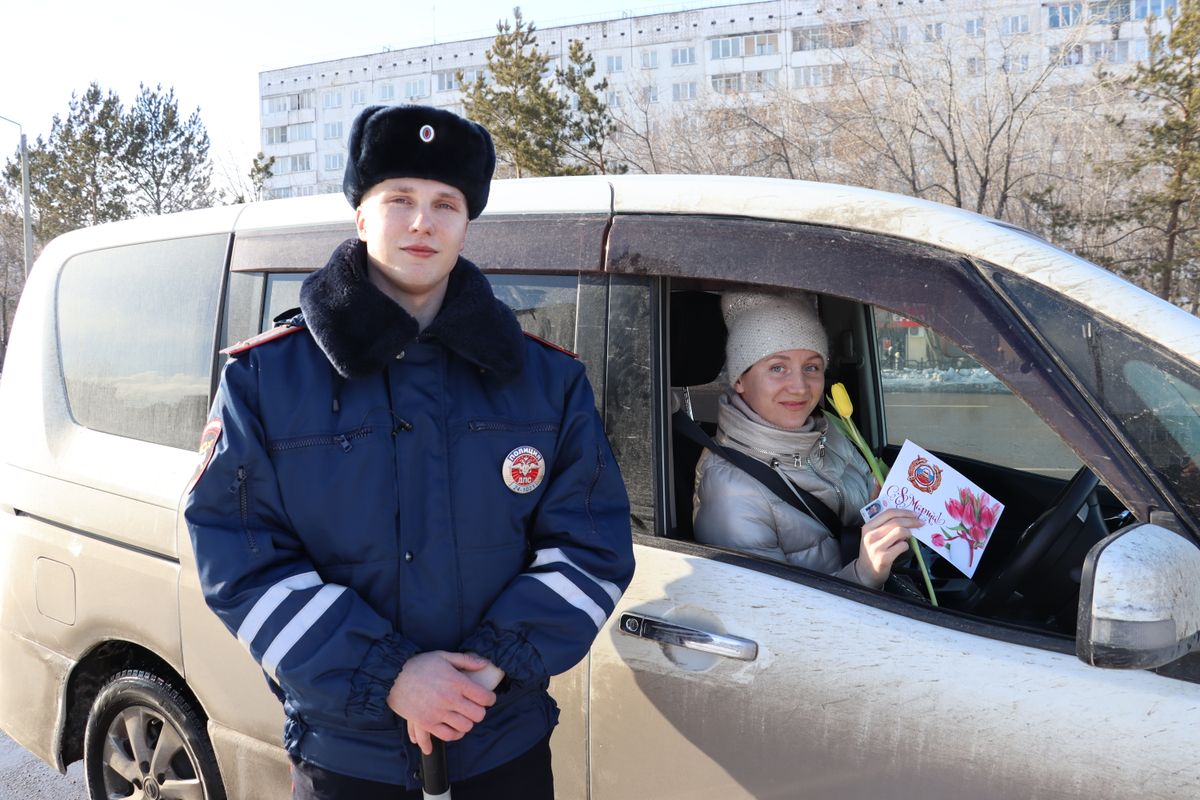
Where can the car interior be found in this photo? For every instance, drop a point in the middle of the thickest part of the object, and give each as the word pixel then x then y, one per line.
pixel 1029 575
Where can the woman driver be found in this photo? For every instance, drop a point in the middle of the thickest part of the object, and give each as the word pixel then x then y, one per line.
pixel 775 357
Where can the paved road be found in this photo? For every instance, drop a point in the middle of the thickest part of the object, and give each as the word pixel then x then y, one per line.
pixel 24 777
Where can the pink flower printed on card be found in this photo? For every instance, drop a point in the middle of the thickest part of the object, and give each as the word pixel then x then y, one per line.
pixel 975 515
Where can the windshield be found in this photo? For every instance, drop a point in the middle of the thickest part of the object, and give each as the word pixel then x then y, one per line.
pixel 1152 395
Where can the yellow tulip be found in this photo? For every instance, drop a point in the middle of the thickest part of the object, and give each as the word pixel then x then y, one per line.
pixel 841 401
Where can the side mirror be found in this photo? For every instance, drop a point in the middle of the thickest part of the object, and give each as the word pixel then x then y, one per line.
pixel 1139 599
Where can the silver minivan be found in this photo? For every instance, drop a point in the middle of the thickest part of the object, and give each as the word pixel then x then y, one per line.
pixel 1064 668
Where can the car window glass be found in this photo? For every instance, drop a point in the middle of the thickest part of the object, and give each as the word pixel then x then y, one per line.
pixel 544 304
pixel 939 397
pixel 136 327
pixel 1152 396
pixel 283 293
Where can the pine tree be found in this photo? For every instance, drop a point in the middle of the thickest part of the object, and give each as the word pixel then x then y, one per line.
pixel 166 156
pixel 1168 149
pixel 75 174
pixel 512 98
pixel 260 170
pixel 590 124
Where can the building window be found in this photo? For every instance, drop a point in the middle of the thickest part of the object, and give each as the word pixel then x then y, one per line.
pixel 1109 52
pixel 613 98
pixel 935 31
pixel 683 91
pixel 1064 15
pixel 288 102
pixel 615 64
pixel 1156 8
pixel 815 76
pixel 681 56
pixel 358 97
pixel 1067 56
pixel 899 34
pixel 1012 63
pixel 285 165
pixel 826 37
pixel 650 94
pixel 649 59
pixel 445 81
pixel 387 92
pixel 333 130
pixel 1109 11
pixel 762 80
pixel 301 133
pixel 727 84
pixel 335 161
pixel 415 88
pixel 975 65
pixel 974 27
pixel 331 100
pixel 761 44
pixel 729 47
pixel 1018 23
pixel 276 135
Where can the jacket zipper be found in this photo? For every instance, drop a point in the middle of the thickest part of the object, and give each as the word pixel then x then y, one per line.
pixel 239 486
pixel 343 440
pixel 494 425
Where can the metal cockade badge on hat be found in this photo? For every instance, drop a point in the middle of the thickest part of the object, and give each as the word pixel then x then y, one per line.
pixel 523 469
pixel 426 133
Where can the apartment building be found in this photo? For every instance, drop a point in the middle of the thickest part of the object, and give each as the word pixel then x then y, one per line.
pixel 659 60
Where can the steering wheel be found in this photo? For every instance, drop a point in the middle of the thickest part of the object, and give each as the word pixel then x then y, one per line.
pixel 1071 509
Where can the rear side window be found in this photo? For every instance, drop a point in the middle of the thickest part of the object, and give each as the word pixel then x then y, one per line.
pixel 136 331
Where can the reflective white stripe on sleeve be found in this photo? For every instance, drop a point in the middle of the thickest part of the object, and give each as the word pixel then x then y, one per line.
pixel 554 554
pixel 562 586
pixel 270 601
pixel 300 625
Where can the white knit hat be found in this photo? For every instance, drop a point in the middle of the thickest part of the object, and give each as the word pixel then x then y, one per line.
pixel 760 324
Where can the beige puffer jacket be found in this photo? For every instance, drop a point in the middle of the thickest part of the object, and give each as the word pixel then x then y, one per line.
pixel 732 509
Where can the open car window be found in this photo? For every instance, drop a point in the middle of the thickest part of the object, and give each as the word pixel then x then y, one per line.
pixel 937 395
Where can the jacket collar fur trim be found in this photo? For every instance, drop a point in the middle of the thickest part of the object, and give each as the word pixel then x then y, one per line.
pixel 361 330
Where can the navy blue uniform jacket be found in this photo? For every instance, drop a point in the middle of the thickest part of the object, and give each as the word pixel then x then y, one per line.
pixel 357 510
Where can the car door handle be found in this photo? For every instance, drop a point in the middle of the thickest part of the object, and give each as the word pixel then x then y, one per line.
pixel 692 638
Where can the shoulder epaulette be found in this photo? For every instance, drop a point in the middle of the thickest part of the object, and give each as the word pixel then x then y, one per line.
pixel 551 345
pixel 278 332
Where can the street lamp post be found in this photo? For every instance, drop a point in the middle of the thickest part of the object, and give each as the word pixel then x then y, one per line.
pixel 25 197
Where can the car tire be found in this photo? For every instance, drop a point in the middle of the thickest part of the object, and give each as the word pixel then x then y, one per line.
pixel 146 740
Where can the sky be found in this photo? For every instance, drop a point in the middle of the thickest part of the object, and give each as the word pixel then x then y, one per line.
pixel 212 51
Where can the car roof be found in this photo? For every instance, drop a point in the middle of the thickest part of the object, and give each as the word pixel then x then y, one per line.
pixel 948 228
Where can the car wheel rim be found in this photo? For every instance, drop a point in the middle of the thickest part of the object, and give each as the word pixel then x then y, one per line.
pixel 145 758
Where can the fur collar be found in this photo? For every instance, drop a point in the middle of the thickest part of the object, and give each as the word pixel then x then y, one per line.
pixel 361 330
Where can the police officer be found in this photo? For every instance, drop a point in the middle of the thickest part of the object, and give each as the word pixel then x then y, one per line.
pixel 410 514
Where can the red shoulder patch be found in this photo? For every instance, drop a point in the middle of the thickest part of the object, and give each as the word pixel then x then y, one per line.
pixel 278 332
pixel 551 345
pixel 208 442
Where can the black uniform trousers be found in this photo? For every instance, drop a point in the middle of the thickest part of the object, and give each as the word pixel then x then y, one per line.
pixel 526 777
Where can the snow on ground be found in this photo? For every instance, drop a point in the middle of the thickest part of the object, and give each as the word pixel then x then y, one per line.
pixel 976 380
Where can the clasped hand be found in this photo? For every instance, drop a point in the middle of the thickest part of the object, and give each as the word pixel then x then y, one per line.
pixel 443 694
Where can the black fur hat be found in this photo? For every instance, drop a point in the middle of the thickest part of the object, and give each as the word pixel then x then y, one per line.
pixel 419 142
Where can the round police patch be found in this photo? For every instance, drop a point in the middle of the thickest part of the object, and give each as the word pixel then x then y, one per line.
pixel 523 469
pixel 426 133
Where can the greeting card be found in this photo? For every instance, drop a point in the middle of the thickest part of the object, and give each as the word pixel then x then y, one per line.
pixel 958 516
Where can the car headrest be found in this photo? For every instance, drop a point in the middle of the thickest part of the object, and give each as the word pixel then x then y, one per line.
pixel 697 338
